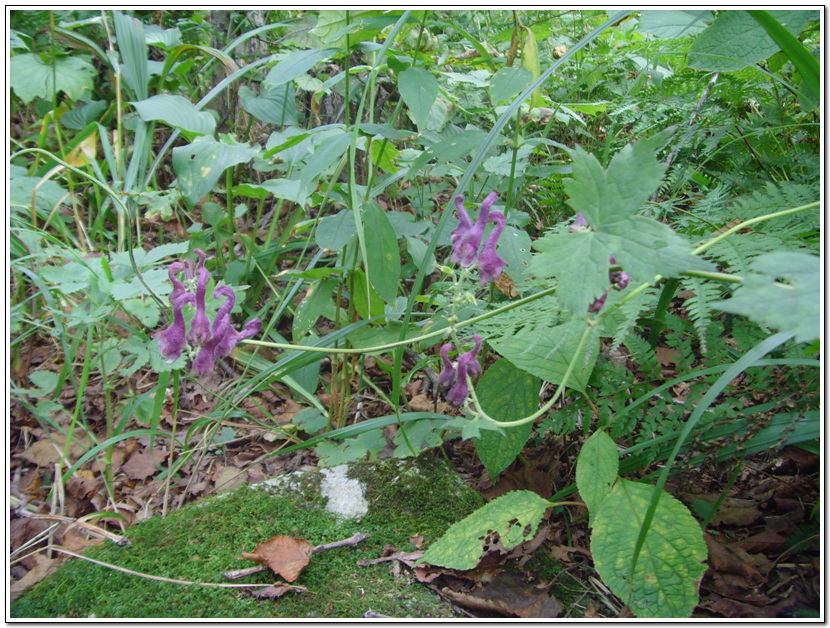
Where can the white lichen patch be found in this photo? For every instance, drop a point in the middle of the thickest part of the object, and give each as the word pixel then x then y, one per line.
pixel 347 497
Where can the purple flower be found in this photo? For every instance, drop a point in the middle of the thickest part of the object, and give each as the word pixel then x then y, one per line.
pixel 619 279
pixel 200 325
pixel 596 306
pixel 580 224
pixel 231 338
pixel 204 360
pixel 466 239
pixel 178 286
pixel 447 376
pixel 490 265
pixel 456 375
pixel 172 340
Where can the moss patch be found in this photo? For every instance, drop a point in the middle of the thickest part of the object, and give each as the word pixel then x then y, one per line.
pixel 202 541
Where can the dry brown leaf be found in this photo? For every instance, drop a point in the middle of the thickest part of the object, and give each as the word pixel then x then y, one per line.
pixel 285 555
pixel 230 478
pixel 507 594
pixel 424 403
pixel 417 540
pixel 505 284
pixel 42 568
pixel 141 466
pixel 48 450
pixel 667 355
pixel 276 590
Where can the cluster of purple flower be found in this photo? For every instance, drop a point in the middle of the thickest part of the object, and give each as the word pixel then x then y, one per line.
pixel 618 279
pixel 466 239
pixel 454 375
pixel 214 341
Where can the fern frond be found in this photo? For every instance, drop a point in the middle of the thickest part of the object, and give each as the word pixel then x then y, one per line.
pixel 626 317
pixel 699 306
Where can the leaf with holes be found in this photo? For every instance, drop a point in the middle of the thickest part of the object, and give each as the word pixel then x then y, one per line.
pixel 514 517
pixel 667 574
pixel 199 165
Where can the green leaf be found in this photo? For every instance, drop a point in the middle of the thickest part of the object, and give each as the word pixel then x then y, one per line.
pixel 609 199
pixel 419 90
pixel 177 112
pixel 47 193
pixel 334 232
pixel 508 82
pixel 384 258
pixel 666 579
pixel 596 469
pixel 735 40
pixel 310 420
pixel 165 37
pixel 333 454
pixel 514 517
pixel 294 65
pixel 367 305
pixel 288 189
pixel 312 306
pixel 333 26
pixel 133 49
pixel 31 78
pixel 274 104
pixel 199 165
pixel 791 305
pixel 548 355
pixel 673 24
pixel 506 394
pixel 530 61
pixel 79 117
pixel 421 435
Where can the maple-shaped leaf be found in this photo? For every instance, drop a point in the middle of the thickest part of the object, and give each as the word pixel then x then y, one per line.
pixel 285 555
pixel 609 199
pixel 781 291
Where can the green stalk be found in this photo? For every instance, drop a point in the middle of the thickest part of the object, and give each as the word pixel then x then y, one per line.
pixel 669 288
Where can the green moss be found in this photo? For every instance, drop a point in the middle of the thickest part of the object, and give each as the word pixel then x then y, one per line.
pixel 202 541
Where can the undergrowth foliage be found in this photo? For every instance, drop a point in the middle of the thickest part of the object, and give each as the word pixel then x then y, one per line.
pixel 644 198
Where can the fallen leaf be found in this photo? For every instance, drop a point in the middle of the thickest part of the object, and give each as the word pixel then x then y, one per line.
pixel 276 590
pixel 48 450
pixel 424 403
pixel 230 478
pixel 141 466
pixel 43 567
pixel 285 555
pixel 507 594
pixel 417 540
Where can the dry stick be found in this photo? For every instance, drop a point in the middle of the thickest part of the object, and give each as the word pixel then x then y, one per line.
pixel 87 527
pixel 350 542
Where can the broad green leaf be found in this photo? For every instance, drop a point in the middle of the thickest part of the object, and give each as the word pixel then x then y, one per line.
pixel 421 435
pixel 514 517
pixel 288 189
pixel 419 90
pixel 18 40
pixel 31 78
pixel 596 469
pixel 508 82
pixel 386 131
pixel 334 232
pixel 81 116
pixel 312 306
pixel 735 40
pixel 274 104
pixel 144 310
pixel 609 200
pixel 502 165
pixel 47 193
pixel 506 394
pixel 671 24
pixel 514 248
pixel 332 454
pixel 782 291
pixel 199 165
pixel 310 420
pixel 384 257
pixel 333 26
pixel 668 572
pixel 328 150
pixel 367 305
pixel 386 158
pixel 294 65
pixel 548 355
pixel 133 49
pixel 176 111
pixel 165 37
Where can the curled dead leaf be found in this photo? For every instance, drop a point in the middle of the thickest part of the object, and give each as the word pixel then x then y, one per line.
pixel 285 555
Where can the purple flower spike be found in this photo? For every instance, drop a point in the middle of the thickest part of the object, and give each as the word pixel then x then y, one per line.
pixel 231 337
pixel 458 395
pixel 469 358
pixel 466 238
pixel 178 286
pixel 596 306
pixel 200 325
pixel 172 341
pixel 490 264
pixel 447 376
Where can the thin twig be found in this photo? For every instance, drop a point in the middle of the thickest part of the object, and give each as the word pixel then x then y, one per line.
pixel 350 542
pixel 87 527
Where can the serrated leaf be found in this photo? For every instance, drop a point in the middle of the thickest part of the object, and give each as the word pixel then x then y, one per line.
pixel 609 200
pixel 793 304
pixel 668 571
pixel 419 90
pixel 421 435
pixel 735 40
pixel 506 394
pixel 596 469
pixel 30 78
pixel 548 355
pixel 199 165
pixel 177 112
pixel 514 516
pixel 332 454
